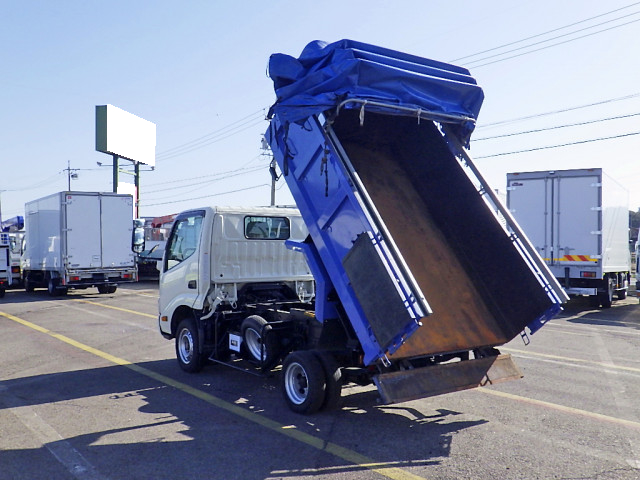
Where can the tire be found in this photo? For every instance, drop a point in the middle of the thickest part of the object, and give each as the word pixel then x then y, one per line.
pixel 102 289
pixel 112 289
pixel 606 298
pixel 2 292
pixel 621 294
pixel 333 381
pixel 28 285
pixel 52 287
pixel 188 353
pixel 258 349
pixel 303 382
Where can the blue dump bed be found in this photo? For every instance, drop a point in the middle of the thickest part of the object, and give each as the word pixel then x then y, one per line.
pixel 403 229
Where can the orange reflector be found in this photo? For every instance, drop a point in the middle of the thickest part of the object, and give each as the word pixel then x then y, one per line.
pixel 15 269
pixel 163 319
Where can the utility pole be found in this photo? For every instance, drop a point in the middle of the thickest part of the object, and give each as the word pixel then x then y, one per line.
pixel 71 173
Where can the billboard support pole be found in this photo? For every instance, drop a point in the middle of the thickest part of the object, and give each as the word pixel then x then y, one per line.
pixel 115 173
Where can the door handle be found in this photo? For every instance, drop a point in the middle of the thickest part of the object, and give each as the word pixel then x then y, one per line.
pixel 192 284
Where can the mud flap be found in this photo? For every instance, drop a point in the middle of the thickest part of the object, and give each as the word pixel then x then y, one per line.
pixel 402 386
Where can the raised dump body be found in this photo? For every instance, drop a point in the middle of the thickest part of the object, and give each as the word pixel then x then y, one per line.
pixel 402 225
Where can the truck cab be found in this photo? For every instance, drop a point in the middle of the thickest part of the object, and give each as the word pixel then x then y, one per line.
pixel 224 258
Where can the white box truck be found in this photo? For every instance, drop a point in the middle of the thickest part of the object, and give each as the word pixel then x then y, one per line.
pixel 76 240
pixel 578 221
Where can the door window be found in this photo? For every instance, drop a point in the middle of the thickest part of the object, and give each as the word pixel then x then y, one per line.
pixel 184 238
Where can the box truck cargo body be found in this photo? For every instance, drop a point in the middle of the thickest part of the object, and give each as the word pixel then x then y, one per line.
pixel 79 240
pixel 578 221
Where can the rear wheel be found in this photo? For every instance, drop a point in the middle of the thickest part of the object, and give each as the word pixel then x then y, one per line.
pixel 333 381
pixel 303 382
pixel 189 356
pixel 28 285
pixel 52 287
pixel 102 289
pixel 258 339
pixel 2 292
pixel 606 298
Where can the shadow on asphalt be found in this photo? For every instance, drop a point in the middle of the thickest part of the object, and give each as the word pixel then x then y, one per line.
pixel 17 296
pixel 231 445
pixel 623 313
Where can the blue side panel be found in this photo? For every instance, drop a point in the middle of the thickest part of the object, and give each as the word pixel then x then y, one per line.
pixel 325 75
pixel 335 216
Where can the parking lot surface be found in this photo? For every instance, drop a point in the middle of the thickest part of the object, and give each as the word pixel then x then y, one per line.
pixel 90 390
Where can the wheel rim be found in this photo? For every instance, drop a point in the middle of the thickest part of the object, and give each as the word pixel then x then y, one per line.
pixel 253 341
pixel 296 383
pixel 185 346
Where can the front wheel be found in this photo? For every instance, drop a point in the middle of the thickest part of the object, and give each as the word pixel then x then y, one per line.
pixel 28 285
pixel 303 382
pixel 189 356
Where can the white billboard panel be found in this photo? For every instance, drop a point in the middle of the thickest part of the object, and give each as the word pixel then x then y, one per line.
pixel 125 135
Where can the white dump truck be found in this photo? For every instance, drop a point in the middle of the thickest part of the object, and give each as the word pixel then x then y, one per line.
pixel 578 221
pixel 76 240
pixel 371 144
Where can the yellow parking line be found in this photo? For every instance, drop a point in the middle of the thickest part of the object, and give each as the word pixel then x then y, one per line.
pixel 561 408
pixel 571 359
pixel 289 431
pixel 116 308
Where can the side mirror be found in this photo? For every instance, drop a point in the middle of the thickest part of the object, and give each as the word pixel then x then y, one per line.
pixel 137 240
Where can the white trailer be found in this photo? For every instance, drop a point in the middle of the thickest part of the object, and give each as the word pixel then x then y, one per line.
pixel 578 221
pixel 78 240
pixel 5 264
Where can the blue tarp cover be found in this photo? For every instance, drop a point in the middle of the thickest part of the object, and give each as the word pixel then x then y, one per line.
pixel 327 74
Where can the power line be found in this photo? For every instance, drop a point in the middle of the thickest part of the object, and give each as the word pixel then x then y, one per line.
pixel 546 33
pixel 553 112
pixel 200 177
pixel 549 46
pixel 206 182
pixel 557 127
pixel 213 137
pixel 559 145
pixel 207 196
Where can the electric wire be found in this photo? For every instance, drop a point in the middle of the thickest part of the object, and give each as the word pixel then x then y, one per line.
pixel 547 147
pixel 556 127
pixel 563 110
pixel 553 45
pixel 204 196
pixel 544 33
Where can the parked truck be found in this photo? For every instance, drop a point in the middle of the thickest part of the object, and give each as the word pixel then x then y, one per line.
pixel 578 221
pixel 5 263
pixel 416 280
pixel 14 226
pixel 76 240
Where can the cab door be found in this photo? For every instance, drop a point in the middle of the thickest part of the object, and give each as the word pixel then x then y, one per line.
pixel 181 265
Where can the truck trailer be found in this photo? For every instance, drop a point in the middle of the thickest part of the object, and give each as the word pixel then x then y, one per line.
pixel 76 240
pixel 578 221
pixel 416 281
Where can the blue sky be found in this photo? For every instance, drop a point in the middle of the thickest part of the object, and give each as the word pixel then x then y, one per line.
pixel 197 69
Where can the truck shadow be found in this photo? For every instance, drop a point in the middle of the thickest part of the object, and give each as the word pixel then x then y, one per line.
pixel 143 427
pixel 18 296
pixel 623 313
